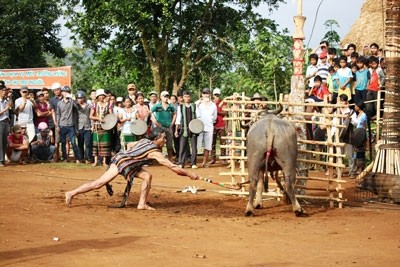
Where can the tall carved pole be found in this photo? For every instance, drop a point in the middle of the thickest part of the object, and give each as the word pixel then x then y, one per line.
pixel 297 83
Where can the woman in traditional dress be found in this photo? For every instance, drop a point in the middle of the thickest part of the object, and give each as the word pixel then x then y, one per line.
pixel 143 111
pixel 101 137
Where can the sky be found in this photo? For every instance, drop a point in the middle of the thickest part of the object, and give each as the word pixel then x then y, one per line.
pixel 345 12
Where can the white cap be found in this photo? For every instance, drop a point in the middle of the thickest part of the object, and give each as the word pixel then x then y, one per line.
pixel 119 99
pixel 164 93
pixel 216 91
pixel 100 92
pixel 55 86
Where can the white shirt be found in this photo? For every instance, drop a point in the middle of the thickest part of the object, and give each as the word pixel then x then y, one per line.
pixel 207 113
pixel 25 115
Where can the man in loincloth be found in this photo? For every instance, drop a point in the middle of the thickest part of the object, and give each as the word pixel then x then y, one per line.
pixel 129 164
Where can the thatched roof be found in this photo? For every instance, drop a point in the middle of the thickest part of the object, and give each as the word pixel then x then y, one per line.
pixel 368 28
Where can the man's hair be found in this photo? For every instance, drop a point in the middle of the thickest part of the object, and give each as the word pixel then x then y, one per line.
pixel 363 60
pixel 353 46
pixel 361 105
pixel 354 54
pixel 344 97
pixel 324 42
pixel 374 59
pixel 155 133
pixel 315 56
pixel 343 58
pixel 332 51
pixel 317 78
pixel 374 45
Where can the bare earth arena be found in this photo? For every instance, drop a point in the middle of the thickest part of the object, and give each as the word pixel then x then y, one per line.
pixel 203 229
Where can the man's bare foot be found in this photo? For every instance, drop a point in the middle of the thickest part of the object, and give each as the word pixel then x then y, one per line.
pixel 145 207
pixel 68 199
pixel 94 164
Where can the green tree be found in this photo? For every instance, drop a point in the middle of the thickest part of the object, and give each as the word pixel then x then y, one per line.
pixel 331 36
pixel 170 39
pixel 28 30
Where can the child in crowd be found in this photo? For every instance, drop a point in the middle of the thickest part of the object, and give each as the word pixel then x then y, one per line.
pixel 318 92
pixel 312 70
pixel 344 77
pixel 323 67
pixel 17 145
pixel 375 84
pixel 360 135
pixel 331 56
pixel 362 80
pixel 354 69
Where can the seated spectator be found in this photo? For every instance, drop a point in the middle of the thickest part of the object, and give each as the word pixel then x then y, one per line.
pixel 17 145
pixel 319 90
pixel 43 143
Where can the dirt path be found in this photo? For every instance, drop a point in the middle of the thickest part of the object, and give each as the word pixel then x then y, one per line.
pixel 204 229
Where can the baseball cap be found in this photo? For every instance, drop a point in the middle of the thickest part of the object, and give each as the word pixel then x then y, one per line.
pixel 80 94
pixel 39 93
pixel 205 91
pixel 131 86
pixel 24 88
pixel 164 93
pixel 153 93
pixel 66 89
pixel 119 99
pixel 55 86
pixel 216 91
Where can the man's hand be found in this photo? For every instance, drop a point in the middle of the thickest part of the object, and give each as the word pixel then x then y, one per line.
pixel 194 176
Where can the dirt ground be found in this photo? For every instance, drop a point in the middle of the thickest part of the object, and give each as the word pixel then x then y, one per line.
pixel 203 229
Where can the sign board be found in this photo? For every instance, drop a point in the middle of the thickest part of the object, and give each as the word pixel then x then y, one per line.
pixel 36 78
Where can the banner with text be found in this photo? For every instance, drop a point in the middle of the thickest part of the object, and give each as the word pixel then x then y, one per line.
pixel 36 78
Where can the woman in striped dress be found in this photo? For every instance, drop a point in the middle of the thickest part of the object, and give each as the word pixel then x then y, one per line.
pixel 101 137
pixel 126 116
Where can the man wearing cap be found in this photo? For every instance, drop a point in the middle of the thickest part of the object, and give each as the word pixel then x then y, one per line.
pixel 207 113
pixel 131 88
pixel 219 127
pixel 153 97
pixel 56 87
pixel 164 115
pixel 85 141
pixel 5 106
pixel 67 123
pixel 43 143
pixel 323 66
pixel 24 112
pixel 42 110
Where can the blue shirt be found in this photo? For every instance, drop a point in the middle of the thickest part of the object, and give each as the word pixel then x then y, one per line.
pixel 362 78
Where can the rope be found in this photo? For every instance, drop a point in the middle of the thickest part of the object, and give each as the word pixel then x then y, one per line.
pixel 208 180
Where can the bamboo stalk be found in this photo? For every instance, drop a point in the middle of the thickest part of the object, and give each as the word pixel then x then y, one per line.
pixel 321 179
pixel 319 162
pixel 321 153
pixel 319 188
pixel 324 143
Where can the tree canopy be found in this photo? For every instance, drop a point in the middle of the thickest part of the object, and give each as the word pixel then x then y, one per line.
pixel 174 41
pixel 28 30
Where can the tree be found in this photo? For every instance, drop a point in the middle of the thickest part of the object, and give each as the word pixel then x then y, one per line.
pixel 173 38
pixel 28 30
pixel 331 36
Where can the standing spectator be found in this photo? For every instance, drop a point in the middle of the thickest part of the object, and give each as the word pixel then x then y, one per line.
pixel 360 135
pixel 85 140
pixel 131 88
pixel 331 56
pixel 207 113
pixel 323 67
pixel 42 110
pixel 350 49
pixel 56 87
pixel 126 117
pixel 219 127
pixel 312 70
pixel 67 122
pixel 377 81
pixel 5 106
pixel 362 80
pixel 17 145
pixel 345 76
pixel 143 111
pixel 101 137
pixel 173 100
pixel 24 112
pixel 164 115
pixel 153 99
pixel 92 97
pixel 185 114
pixel 43 143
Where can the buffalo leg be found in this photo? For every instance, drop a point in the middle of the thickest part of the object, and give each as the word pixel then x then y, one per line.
pixel 289 183
pixel 252 193
pixel 260 188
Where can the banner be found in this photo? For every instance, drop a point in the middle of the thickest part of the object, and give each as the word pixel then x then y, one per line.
pixel 36 78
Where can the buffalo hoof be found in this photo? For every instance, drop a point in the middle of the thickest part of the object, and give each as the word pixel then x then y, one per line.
pixel 300 213
pixel 249 213
pixel 258 206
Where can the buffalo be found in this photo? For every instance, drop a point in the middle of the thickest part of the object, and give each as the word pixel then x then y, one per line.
pixel 271 146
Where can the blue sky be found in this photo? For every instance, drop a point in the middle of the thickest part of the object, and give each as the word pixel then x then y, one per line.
pixel 345 12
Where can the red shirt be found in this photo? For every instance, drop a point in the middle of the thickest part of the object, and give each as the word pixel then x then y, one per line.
pixel 374 82
pixel 321 91
pixel 220 123
pixel 13 139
